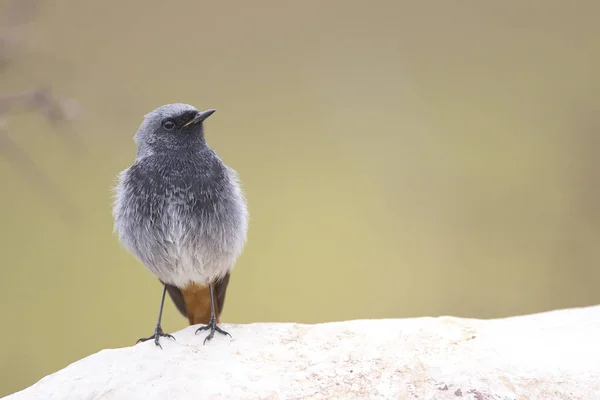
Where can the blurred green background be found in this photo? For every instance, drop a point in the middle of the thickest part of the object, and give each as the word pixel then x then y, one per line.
pixel 400 159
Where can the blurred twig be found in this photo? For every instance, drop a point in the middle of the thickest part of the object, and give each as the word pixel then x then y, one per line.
pixel 41 100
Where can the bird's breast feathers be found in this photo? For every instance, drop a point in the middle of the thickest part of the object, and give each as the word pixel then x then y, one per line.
pixel 190 232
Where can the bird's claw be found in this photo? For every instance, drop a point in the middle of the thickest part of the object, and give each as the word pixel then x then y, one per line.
pixel 158 332
pixel 212 325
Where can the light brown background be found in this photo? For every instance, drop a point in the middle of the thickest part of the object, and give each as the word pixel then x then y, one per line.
pixel 400 158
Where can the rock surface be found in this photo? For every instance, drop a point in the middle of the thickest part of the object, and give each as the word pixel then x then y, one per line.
pixel 554 355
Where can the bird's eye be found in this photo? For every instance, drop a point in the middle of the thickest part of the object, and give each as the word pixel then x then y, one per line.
pixel 168 124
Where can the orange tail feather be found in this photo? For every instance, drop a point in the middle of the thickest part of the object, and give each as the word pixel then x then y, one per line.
pixel 197 304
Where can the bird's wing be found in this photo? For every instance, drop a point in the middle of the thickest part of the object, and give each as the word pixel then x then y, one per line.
pixel 220 292
pixel 177 298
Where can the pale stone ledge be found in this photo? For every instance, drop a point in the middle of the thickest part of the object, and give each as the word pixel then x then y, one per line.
pixel 554 355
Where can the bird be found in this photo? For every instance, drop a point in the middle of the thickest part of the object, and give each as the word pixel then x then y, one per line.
pixel 183 214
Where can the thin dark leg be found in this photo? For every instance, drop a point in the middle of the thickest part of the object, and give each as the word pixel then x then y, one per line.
pixel 212 325
pixel 158 332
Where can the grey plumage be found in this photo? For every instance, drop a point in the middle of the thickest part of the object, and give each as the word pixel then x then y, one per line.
pixel 179 209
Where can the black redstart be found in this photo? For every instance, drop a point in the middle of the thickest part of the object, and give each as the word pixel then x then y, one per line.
pixel 182 213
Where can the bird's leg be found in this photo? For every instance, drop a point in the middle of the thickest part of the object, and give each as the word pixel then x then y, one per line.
pixel 212 325
pixel 158 332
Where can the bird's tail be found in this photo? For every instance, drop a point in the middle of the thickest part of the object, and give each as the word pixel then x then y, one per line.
pixel 193 301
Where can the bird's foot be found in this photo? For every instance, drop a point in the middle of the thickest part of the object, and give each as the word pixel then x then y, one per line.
pixel 158 332
pixel 212 325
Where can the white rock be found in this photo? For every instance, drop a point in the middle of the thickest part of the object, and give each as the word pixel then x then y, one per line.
pixel 554 355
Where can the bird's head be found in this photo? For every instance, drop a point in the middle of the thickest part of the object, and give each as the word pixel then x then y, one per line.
pixel 172 127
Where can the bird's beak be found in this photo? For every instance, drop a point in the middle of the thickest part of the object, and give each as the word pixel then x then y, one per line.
pixel 202 115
